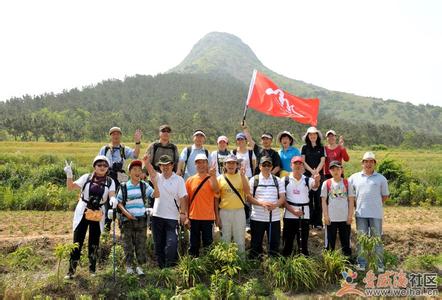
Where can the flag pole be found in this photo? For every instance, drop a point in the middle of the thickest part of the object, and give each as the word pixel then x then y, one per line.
pixel 252 83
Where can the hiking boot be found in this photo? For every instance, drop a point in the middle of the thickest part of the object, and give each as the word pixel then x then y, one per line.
pixel 69 276
pixel 140 271
pixel 129 270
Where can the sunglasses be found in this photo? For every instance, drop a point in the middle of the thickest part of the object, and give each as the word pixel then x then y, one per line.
pixel 102 165
pixel 266 165
pixel 165 130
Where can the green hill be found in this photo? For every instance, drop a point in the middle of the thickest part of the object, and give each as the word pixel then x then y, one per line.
pixel 207 90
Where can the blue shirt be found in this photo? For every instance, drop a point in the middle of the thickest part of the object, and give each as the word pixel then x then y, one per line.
pixel 191 168
pixel 134 203
pixel 114 156
pixel 286 157
pixel 369 190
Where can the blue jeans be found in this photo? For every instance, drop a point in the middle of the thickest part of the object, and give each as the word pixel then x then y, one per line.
pixel 371 227
pixel 165 237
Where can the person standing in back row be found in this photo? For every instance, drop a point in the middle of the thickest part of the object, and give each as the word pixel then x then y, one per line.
pixel 217 157
pixel 313 154
pixel 334 152
pixel 186 164
pixel 163 147
pixel 265 150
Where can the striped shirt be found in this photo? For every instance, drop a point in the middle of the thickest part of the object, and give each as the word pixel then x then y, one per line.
pixel 266 191
pixel 135 205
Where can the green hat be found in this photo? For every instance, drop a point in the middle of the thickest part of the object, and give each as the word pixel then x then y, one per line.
pixel 165 160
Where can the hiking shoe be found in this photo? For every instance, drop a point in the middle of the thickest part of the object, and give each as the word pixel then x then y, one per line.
pixel 140 271
pixel 69 276
pixel 360 268
pixel 381 270
pixel 248 229
pixel 129 270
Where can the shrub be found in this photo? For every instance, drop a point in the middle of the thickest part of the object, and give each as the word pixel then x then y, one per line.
pixel 428 263
pixel 24 258
pixel 190 270
pixel 297 273
pixel 368 249
pixel 333 264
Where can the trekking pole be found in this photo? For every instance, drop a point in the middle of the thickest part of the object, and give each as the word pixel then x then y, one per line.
pixel 270 230
pixel 114 245
pixel 300 230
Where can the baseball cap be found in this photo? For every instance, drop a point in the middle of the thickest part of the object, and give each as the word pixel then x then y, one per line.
pixel 222 138
pixel 200 156
pixel 164 160
pixel 335 163
pixel 135 162
pixel 165 126
pixel 241 135
pixel 265 159
pixel 296 159
pixel 368 156
pixel 115 129
pixel 330 131
pixel 230 157
pixel 267 135
pixel 199 132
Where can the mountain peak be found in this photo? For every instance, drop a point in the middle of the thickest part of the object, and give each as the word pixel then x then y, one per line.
pixel 220 52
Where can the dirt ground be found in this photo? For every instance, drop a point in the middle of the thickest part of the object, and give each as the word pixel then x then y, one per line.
pixel 407 230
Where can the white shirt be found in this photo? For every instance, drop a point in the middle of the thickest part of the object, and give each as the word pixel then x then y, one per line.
pixel 297 192
pixel 246 161
pixel 81 205
pixel 337 200
pixel 266 191
pixel 170 189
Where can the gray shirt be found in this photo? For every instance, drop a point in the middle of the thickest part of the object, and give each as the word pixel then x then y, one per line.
pixel 369 191
pixel 337 200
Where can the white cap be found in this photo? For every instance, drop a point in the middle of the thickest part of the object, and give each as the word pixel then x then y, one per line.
pixel 100 157
pixel 199 132
pixel 222 138
pixel 330 131
pixel 369 156
pixel 200 156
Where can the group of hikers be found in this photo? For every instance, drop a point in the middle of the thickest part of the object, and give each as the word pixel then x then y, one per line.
pixel 250 189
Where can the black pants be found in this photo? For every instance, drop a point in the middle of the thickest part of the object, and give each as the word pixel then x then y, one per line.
pixel 299 229
pixel 257 231
pixel 344 236
pixel 165 237
pixel 107 221
pixel 315 207
pixel 93 243
pixel 200 229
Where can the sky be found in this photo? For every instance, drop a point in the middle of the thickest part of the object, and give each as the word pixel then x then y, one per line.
pixel 385 49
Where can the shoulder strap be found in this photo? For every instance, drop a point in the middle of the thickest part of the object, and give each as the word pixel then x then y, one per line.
pixel 123 188
pixel 189 150
pixel 106 149
pixel 328 184
pixel 346 185
pixel 207 152
pixel 198 189
pixel 307 182
pixel 88 180
pixel 275 180
pixel 250 160
pixel 233 189
pixel 286 181
pixel 155 148
pixel 234 151
pixel 122 152
pixel 143 189
pixel 255 184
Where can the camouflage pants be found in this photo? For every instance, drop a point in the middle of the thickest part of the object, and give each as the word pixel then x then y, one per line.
pixel 134 234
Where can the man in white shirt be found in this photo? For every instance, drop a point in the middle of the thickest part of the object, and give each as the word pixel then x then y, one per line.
pixel 169 209
pixel 268 195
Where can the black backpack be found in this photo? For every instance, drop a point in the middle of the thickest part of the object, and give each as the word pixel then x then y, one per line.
pixel 143 188
pixel 169 146
pixel 122 151
pixel 256 184
pixel 189 151
pixel 107 184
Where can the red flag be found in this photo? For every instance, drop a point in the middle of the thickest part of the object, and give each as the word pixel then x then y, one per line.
pixel 268 98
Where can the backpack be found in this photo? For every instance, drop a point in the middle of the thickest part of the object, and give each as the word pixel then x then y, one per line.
pixel 256 184
pixel 169 146
pixel 107 184
pixel 122 151
pixel 328 185
pixel 250 158
pixel 189 151
pixel 143 188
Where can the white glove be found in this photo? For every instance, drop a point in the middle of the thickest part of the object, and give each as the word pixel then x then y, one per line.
pixel 68 169
pixel 113 202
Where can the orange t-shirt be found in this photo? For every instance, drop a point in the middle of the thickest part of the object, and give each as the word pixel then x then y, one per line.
pixel 203 206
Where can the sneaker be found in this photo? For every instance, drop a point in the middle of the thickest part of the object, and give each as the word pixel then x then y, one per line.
pixel 248 229
pixel 140 271
pixel 129 270
pixel 69 276
pixel 318 227
pixel 360 268
pixel 93 274
pixel 381 270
